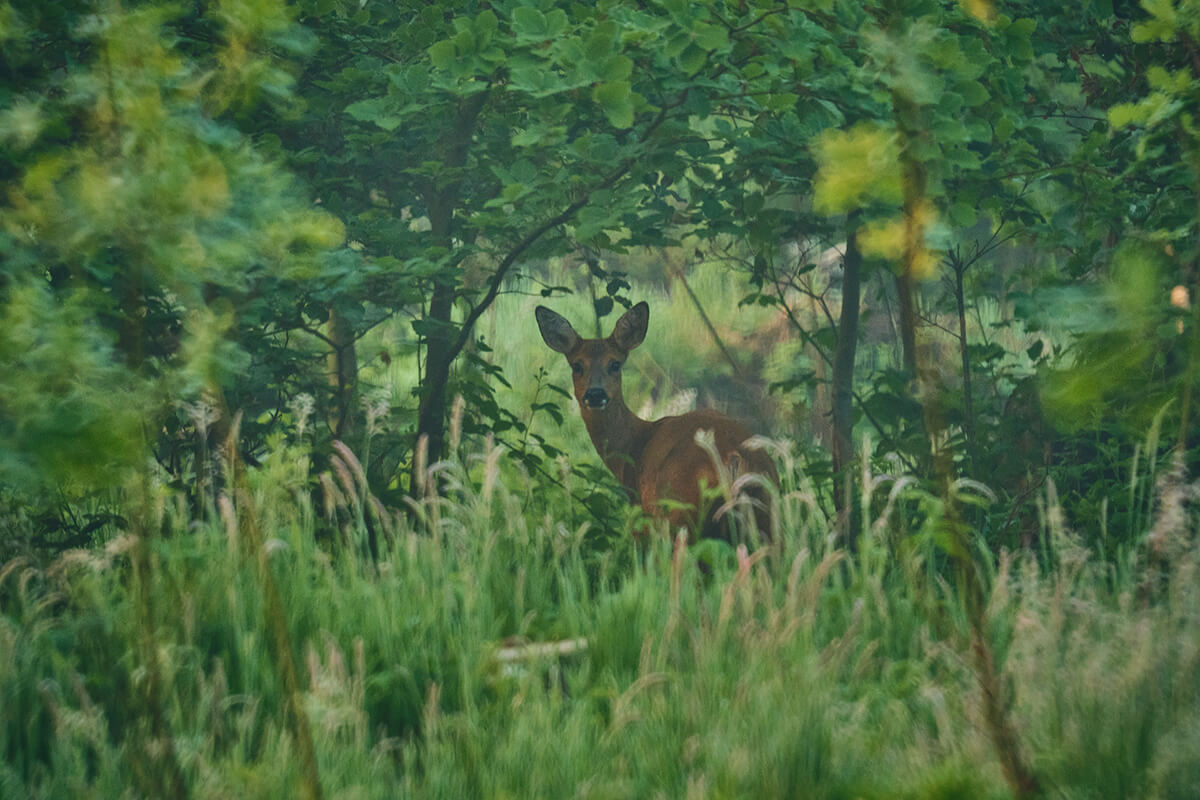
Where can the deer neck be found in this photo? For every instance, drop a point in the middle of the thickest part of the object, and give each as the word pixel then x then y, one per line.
pixel 619 436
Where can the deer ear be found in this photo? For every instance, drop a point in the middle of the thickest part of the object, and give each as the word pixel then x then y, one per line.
pixel 556 331
pixel 630 329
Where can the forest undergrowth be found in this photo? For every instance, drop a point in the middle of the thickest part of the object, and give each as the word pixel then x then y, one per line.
pixel 253 649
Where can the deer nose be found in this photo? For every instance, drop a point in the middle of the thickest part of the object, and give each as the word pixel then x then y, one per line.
pixel 595 398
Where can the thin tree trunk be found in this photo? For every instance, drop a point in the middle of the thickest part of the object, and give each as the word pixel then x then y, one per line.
pixel 913 182
pixel 343 374
pixel 431 418
pixel 908 322
pixel 441 199
pixel 843 387
pixel 968 400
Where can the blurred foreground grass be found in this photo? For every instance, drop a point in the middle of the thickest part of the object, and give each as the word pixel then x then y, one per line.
pixel 791 672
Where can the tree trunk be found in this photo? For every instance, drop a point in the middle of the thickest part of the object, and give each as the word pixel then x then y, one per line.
pixel 968 401
pixel 908 322
pixel 843 388
pixel 343 375
pixel 913 182
pixel 441 199
pixel 439 355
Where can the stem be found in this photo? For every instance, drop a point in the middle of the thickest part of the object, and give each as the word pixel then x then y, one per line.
pixel 960 269
pixel 843 384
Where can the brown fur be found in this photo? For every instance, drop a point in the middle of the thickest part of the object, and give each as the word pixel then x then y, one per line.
pixel 658 460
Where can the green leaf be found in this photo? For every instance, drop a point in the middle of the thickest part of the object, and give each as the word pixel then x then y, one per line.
pixel 537 135
pixel 1004 128
pixel 599 44
pixel 692 59
pixel 676 45
pixel 780 102
pixel 442 55
pixel 617 68
pixel 529 24
pixel 710 37
pixel 614 98
pixel 376 110
pixel 1135 282
pixel 753 204
pixel 855 165
pixel 537 81
pixel 464 42
pixel 973 92
pixel 1164 26
pixel 1123 114
pixel 556 23
pixel 486 23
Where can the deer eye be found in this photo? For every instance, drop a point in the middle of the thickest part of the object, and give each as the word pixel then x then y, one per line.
pixel 577 368
pixel 614 367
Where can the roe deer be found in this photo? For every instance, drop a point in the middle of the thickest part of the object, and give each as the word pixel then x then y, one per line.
pixel 658 460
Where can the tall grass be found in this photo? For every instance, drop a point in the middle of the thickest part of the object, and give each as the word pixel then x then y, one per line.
pixel 794 671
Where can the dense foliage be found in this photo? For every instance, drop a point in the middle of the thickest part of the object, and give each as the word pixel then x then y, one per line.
pixel 284 464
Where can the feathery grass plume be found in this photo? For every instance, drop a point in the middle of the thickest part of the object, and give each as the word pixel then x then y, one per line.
pixel 750 503
pixel 1070 553
pixel 983 490
pixel 376 404
pixel 230 456
pixel 457 410
pixel 120 545
pixel 623 712
pixel 351 499
pixel 431 715
pixel 73 558
pixel 360 474
pixel 302 406
pixel 203 413
pixel 491 470
pixel 359 490
pixel 381 515
pixel 899 487
pixel 346 480
pixel 738 583
pixel 707 442
pixel 229 518
pixel 420 457
pixel 336 694
pixel 331 496
pixel 1172 524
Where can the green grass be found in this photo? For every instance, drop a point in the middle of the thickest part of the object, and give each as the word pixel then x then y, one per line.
pixel 795 673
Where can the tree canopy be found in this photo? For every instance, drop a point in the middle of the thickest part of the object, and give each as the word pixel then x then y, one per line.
pixel 211 210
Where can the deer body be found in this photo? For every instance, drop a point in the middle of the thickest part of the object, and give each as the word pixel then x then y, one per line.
pixel 654 460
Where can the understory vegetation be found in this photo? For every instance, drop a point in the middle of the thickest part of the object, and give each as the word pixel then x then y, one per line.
pixel 296 502
pixel 493 650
